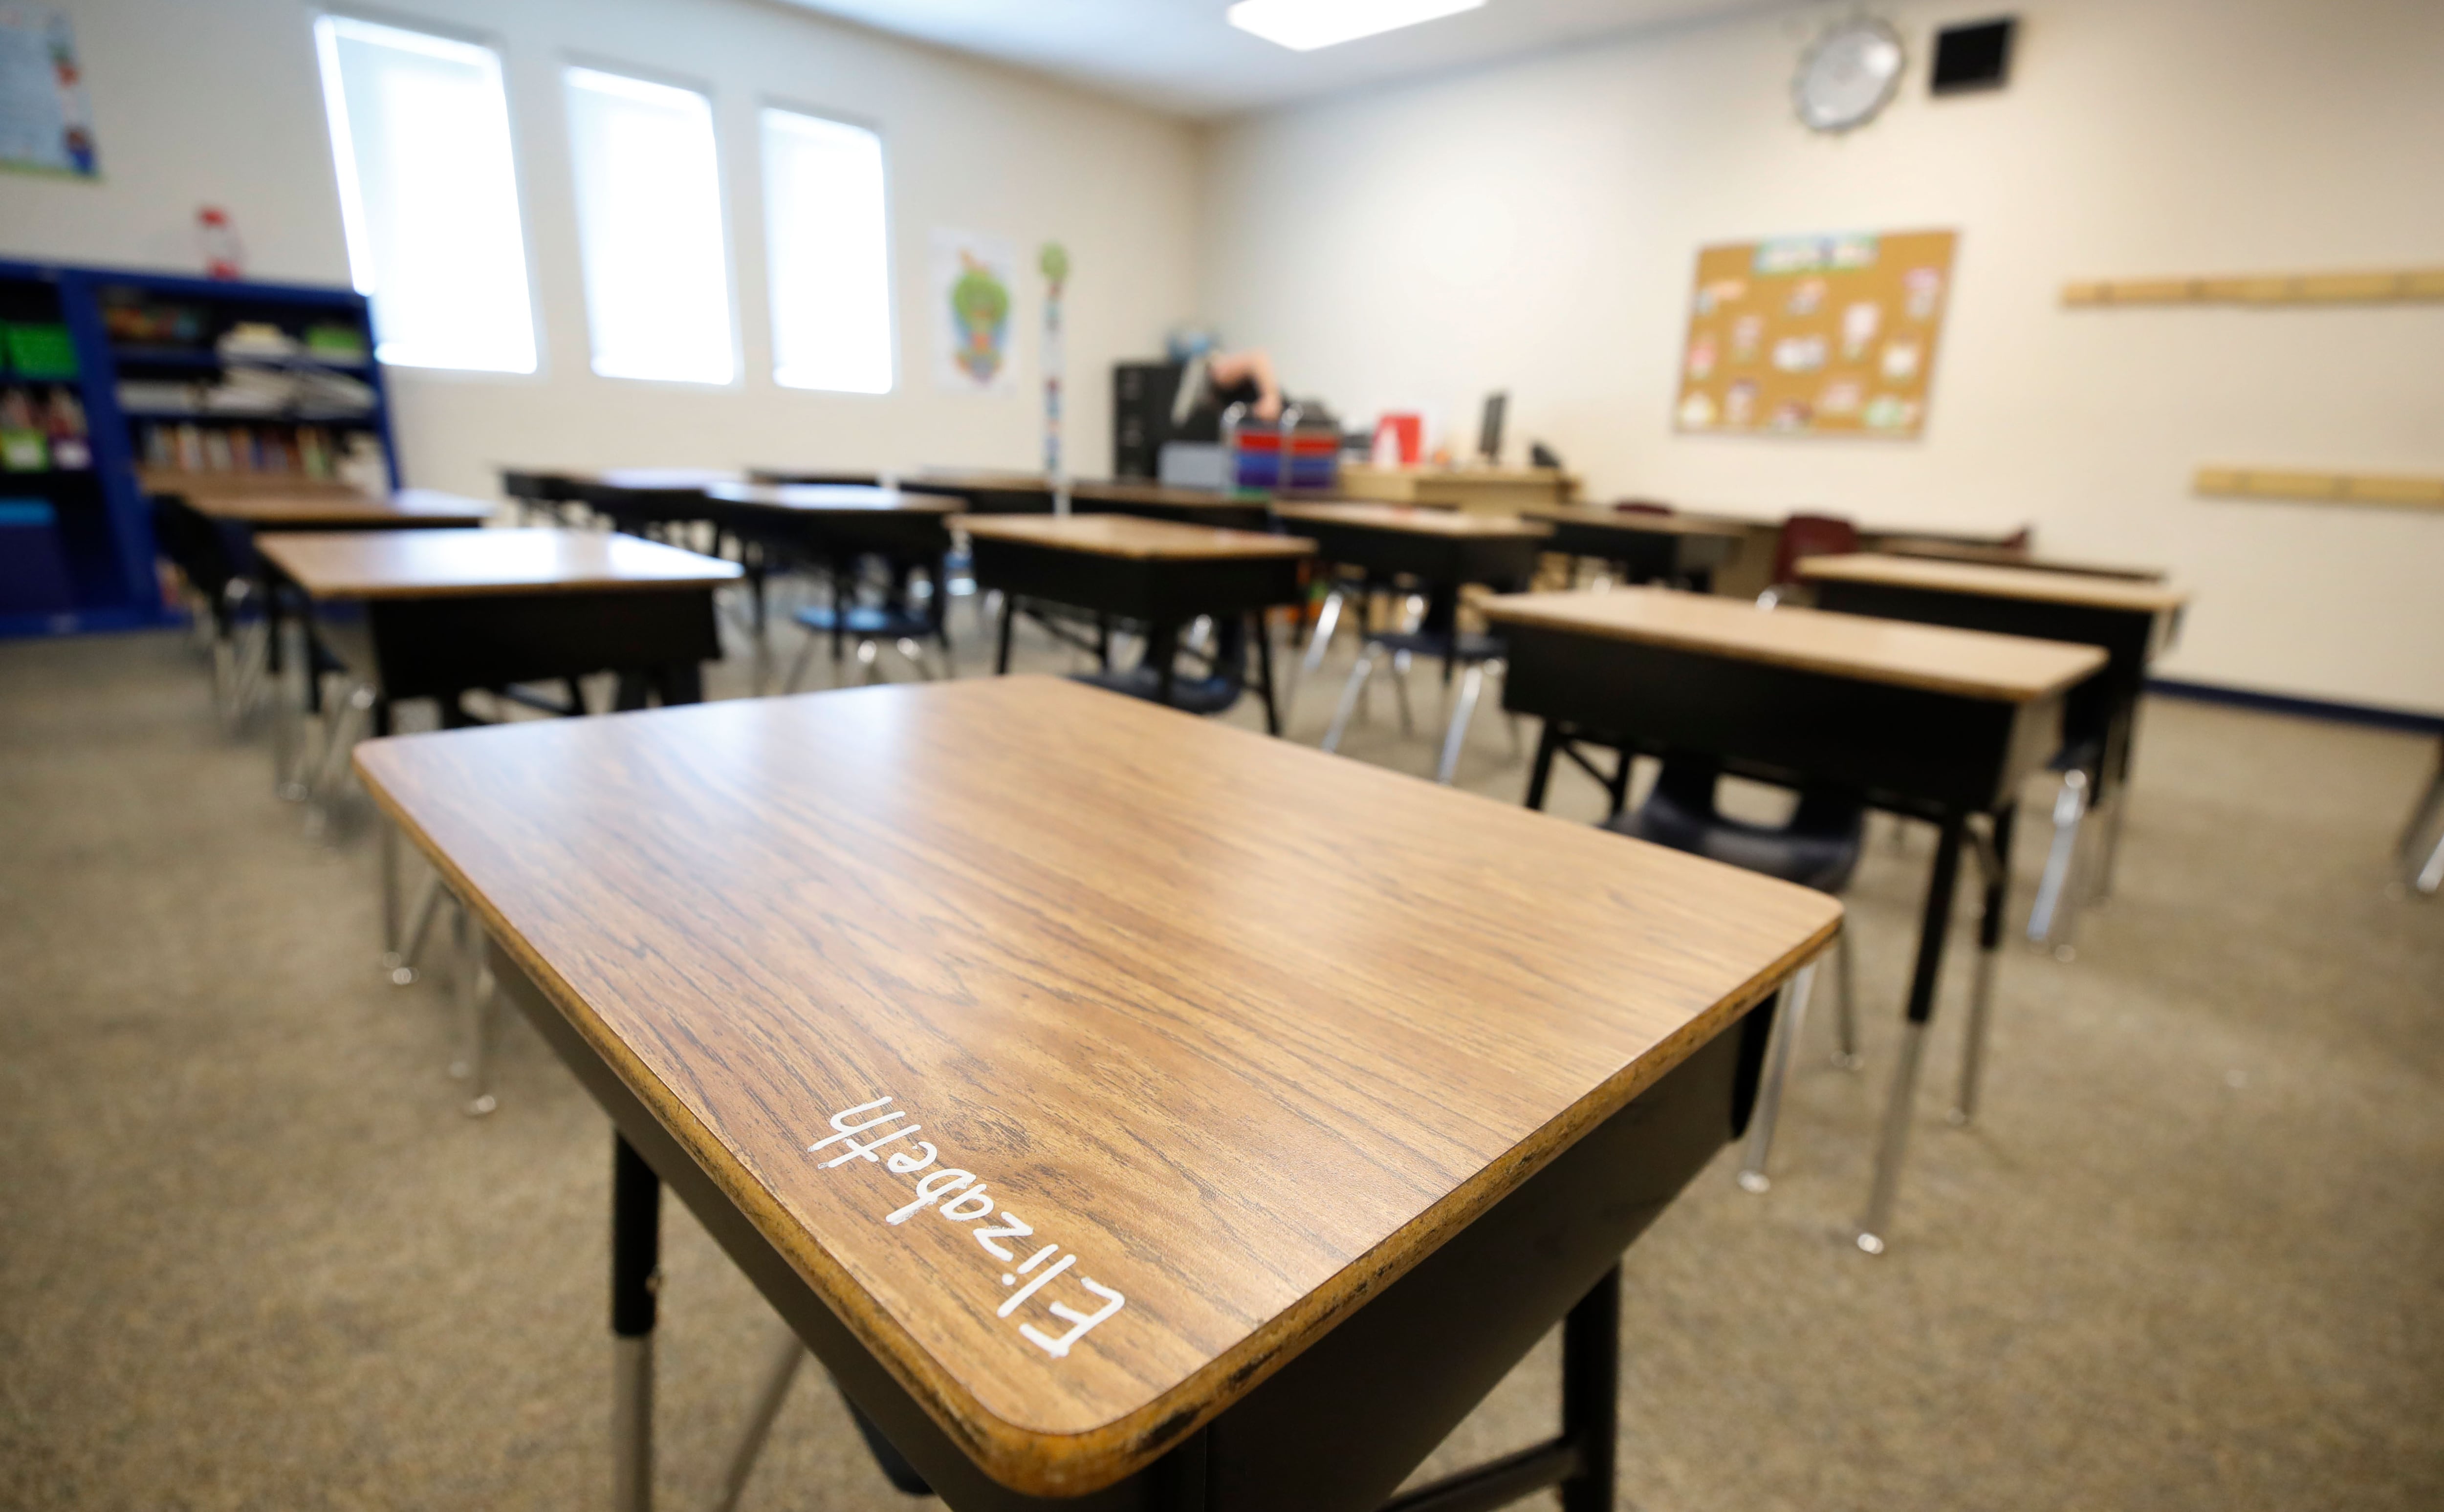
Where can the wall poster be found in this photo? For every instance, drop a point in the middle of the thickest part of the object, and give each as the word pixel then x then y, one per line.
pixel 974 282
pixel 45 124
pixel 1815 335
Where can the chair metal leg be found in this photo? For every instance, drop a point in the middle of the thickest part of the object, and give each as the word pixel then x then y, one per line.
pixel 2422 813
pixel 2054 904
pixel 345 719
pixel 1400 663
pixel 386 857
pixel 798 667
pixel 1789 1016
pixel 419 926
pixel 1349 691
pixel 1845 1012
pixel 783 1370
pixel 1470 686
pixel 1319 640
pixel 2430 876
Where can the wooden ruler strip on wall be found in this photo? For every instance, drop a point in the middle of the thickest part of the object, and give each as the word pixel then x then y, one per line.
pixel 2399 286
pixel 2320 488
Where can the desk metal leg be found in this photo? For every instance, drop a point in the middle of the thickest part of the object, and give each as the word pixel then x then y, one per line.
pixel 1549 745
pixel 775 1390
pixel 1260 627
pixel 2112 794
pixel 1472 685
pixel 1583 1462
pixel 1780 1046
pixel 635 1262
pixel 1995 858
pixel 1845 1012
pixel 1008 617
pixel 1933 927
pixel 394 952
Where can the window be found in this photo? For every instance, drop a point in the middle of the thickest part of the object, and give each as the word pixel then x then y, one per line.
pixel 649 228
pixel 428 195
pixel 829 254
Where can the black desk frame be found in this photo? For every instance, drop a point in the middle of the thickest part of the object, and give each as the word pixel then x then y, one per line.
pixel 1951 759
pixel 1338 1427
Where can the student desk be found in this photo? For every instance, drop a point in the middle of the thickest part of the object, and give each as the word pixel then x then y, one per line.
pixel 1648 547
pixel 1232 511
pixel 1158 573
pixel 635 500
pixel 1936 723
pixel 831 525
pixel 986 492
pixel 1446 549
pixel 209 534
pixel 849 477
pixel 2130 621
pixel 2008 557
pixel 1475 490
pixel 448 611
pixel 1123 1108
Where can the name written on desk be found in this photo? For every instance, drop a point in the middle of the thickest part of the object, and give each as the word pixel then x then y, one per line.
pixel 958 1197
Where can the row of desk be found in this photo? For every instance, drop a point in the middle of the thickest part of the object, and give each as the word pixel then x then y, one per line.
pixel 1111 1100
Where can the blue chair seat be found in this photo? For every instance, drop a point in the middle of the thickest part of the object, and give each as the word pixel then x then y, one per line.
pixel 1819 848
pixel 878 621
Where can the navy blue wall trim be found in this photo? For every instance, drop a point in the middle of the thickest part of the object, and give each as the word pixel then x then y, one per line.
pixel 2305 707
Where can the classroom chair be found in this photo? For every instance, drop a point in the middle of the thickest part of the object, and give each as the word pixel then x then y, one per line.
pixel 1804 536
pixel 903 618
pixel 1818 847
pixel 1467 651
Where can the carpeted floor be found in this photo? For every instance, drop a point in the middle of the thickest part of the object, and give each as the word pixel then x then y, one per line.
pixel 253 1256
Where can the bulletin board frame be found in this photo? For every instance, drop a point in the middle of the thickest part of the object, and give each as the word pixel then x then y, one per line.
pixel 1831 336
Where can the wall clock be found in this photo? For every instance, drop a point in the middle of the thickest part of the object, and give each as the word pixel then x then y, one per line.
pixel 1849 75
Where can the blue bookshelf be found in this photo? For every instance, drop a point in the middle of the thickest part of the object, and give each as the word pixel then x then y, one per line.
pixel 78 467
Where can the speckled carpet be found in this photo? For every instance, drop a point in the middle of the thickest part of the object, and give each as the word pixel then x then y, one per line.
pixel 253 1256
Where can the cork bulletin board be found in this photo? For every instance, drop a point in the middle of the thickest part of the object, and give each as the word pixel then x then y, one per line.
pixel 1815 335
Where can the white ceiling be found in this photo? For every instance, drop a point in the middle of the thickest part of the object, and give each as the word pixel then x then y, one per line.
pixel 1180 55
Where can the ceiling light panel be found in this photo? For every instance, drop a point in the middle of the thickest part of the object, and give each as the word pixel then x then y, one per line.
pixel 1304 26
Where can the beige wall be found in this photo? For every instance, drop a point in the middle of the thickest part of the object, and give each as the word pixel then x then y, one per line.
pixel 218 103
pixel 1532 227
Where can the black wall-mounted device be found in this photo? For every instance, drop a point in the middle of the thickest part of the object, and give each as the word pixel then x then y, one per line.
pixel 1976 55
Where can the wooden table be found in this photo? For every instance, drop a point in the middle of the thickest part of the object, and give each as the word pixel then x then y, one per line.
pixel 830 526
pixel 210 535
pixel 1123 1107
pixel 1445 550
pixel 982 491
pixel 1994 556
pixel 1158 573
pixel 1492 490
pixel 2130 621
pixel 1233 511
pixel 1648 547
pixel 450 611
pixel 1936 723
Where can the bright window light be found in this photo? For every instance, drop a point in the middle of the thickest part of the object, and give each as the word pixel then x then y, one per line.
pixel 428 195
pixel 829 252
pixel 1304 26
pixel 649 230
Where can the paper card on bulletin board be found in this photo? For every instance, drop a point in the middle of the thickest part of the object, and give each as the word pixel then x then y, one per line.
pixel 1815 335
pixel 45 124
pixel 974 287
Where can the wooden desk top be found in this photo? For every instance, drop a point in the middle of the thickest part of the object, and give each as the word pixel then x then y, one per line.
pixel 1413 520
pixel 980 478
pixel 1126 535
pixel 859 477
pixel 1170 498
pixel 831 498
pixel 2009 556
pixel 189 486
pixel 304 510
pixel 1996 581
pixel 460 563
pixel 1968 662
pixel 649 480
pixel 1244 1029
pixel 1661 524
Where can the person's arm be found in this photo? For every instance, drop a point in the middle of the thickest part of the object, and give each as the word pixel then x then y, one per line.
pixel 1231 369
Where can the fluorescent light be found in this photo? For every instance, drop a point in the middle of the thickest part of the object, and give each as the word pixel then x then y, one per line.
pixel 1304 26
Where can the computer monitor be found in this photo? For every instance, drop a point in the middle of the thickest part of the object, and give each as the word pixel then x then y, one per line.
pixel 1489 430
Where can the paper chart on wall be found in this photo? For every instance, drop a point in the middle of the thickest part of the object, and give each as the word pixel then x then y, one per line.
pixel 45 124
pixel 1815 335
pixel 974 283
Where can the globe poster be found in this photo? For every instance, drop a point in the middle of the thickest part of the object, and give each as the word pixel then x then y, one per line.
pixel 1815 335
pixel 974 287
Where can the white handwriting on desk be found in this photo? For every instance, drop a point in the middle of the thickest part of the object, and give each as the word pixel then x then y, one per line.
pixel 961 1198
